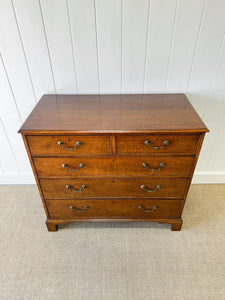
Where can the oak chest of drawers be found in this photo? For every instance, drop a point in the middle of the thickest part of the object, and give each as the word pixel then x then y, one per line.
pixel 113 157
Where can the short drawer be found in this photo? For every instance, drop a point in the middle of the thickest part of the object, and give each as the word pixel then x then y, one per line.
pixel 111 166
pixel 69 145
pixel 121 188
pixel 72 209
pixel 172 143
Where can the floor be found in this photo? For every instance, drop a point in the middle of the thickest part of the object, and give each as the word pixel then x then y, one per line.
pixel 115 261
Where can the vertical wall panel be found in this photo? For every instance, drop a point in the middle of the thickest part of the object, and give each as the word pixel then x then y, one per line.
pixel 185 35
pixel 1 170
pixel 108 16
pixel 134 34
pixel 207 50
pixel 200 91
pixel 216 161
pixel 14 59
pixel 55 15
pixel 33 37
pixel 111 46
pixel 7 159
pixel 83 28
pixel 11 121
pixel 161 26
pixel 213 158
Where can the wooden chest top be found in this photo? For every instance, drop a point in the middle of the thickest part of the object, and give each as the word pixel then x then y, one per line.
pixel 148 113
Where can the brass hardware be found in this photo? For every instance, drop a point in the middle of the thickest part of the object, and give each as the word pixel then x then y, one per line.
pixel 65 166
pixel 143 187
pixel 78 144
pixel 165 143
pixel 68 187
pixel 161 165
pixel 154 207
pixel 79 210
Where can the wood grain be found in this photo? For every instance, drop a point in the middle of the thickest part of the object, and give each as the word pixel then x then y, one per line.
pixel 177 144
pixel 113 114
pixel 108 188
pixel 113 165
pixel 176 224
pixel 48 145
pixel 134 161
pixel 113 209
pixel 35 175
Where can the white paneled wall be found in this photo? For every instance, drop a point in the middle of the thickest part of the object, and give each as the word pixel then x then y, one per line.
pixel 111 46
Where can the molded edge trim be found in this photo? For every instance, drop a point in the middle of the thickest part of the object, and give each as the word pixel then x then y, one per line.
pixel 28 178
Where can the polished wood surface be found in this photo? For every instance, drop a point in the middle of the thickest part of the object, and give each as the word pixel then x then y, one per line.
pixel 105 188
pixel 176 223
pixel 59 209
pixel 48 145
pixel 103 159
pixel 113 165
pixel 113 114
pixel 177 144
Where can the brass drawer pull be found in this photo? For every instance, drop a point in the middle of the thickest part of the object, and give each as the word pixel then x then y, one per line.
pixel 161 165
pixel 65 166
pixel 154 207
pixel 78 144
pixel 79 210
pixel 165 143
pixel 68 187
pixel 143 187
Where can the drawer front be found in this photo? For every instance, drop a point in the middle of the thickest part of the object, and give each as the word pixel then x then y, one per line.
pixel 157 144
pixel 127 166
pixel 141 188
pixel 69 209
pixel 69 145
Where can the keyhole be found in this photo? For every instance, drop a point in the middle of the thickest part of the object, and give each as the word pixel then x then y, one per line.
pixel 113 181
pixel 68 140
pixel 156 139
pixel 113 160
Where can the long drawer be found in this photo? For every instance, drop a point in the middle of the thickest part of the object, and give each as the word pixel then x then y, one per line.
pixel 69 145
pixel 157 143
pixel 111 166
pixel 153 187
pixel 69 209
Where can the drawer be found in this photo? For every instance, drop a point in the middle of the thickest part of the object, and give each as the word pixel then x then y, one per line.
pixel 152 187
pixel 110 166
pixel 172 143
pixel 69 145
pixel 69 209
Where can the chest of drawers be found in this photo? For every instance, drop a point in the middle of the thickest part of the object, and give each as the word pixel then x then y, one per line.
pixel 113 157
